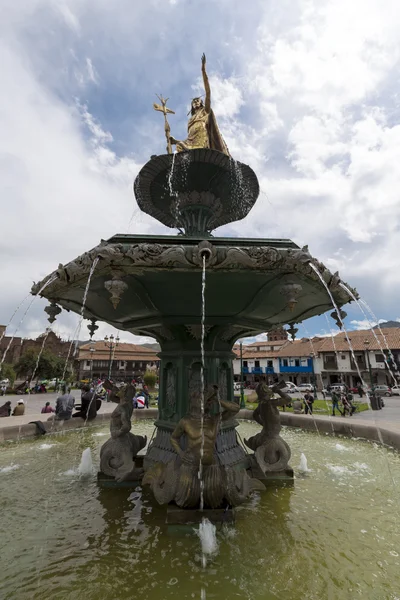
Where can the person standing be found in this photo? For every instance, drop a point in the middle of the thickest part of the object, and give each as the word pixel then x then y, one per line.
pixel 3 390
pixel 335 404
pixel 353 408
pixel 308 403
pixel 64 405
pixel 146 395
pixel 360 390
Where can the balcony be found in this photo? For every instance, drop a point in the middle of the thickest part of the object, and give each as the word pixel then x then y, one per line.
pixel 246 370
pixel 269 370
pixel 257 370
pixel 296 369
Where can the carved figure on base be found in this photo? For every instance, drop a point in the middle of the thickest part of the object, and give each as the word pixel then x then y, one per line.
pixel 178 480
pixel 118 453
pixel 271 451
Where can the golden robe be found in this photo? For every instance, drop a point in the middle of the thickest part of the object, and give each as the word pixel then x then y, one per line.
pixel 203 132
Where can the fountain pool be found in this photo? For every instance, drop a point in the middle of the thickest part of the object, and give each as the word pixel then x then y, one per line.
pixel 334 535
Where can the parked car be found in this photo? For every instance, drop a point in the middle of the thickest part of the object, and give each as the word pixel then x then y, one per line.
pixel 395 390
pixel 382 390
pixel 305 387
pixel 291 388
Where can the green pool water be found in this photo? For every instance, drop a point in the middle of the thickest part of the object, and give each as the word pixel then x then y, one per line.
pixel 334 535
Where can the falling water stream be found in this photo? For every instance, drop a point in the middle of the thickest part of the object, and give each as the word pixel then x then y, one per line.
pixel 44 286
pixel 334 344
pixel 322 383
pixel 203 318
pixel 39 356
pixel 346 289
pixel 352 352
pixel 368 308
pixel 78 328
pixel 13 315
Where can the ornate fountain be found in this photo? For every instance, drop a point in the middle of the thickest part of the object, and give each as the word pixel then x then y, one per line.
pixel 151 286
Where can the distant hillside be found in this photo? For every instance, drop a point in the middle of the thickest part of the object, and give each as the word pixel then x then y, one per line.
pixel 384 325
pixel 156 347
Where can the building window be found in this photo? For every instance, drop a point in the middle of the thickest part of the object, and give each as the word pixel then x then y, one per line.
pixel 297 362
pixel 285 362
pixel 257 363
pixel 245 363
pixel 343 357
pixel 379 358
pixel 269 363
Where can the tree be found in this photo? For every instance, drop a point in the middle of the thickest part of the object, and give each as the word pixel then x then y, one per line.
pixel 49 365
pixel 7 372
pixel 150 379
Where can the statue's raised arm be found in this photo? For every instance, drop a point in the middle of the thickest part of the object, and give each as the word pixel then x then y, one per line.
pixel 207 103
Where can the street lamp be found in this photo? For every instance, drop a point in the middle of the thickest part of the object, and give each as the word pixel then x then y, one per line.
pixel 111 343
pixel 242 402
pixel 91 350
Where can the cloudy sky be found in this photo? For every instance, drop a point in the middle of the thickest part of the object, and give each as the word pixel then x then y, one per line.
pixel 305 91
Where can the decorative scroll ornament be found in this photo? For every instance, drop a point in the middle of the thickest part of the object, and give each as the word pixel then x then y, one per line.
pixel 116 287
pixel 292 330
pixel 336 318
pixel 92 327
pixel 290 291
pixel 53 310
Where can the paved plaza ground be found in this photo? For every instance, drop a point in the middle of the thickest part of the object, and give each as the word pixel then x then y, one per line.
pixel 388 417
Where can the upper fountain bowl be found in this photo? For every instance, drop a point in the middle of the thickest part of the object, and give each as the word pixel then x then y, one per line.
pixel 196 191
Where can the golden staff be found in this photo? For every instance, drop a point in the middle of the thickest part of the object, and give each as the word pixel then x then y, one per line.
pixel 163 108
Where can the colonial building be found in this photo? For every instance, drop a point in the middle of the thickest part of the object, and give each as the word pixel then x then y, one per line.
pixel 260 360
pixel 18 346
pixel 324 361
pixel 370 357
pixel 124 362
pixel 298 361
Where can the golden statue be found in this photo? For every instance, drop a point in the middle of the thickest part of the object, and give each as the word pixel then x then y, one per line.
pixel 203 130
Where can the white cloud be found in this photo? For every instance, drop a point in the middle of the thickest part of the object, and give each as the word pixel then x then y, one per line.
pixel 365 324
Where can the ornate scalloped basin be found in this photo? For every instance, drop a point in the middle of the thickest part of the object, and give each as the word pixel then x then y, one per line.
pixel 247 285
pixel 333 535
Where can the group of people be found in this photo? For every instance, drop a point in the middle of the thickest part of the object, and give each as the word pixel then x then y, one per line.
pixel 341 402
pixel 304 405
pixel 6 410
pixel 65 404
pixel 345 399
pixel 91 400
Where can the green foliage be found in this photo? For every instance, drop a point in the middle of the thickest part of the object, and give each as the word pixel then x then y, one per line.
pixel 49 365
pixel 150 379
pixel 7 372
